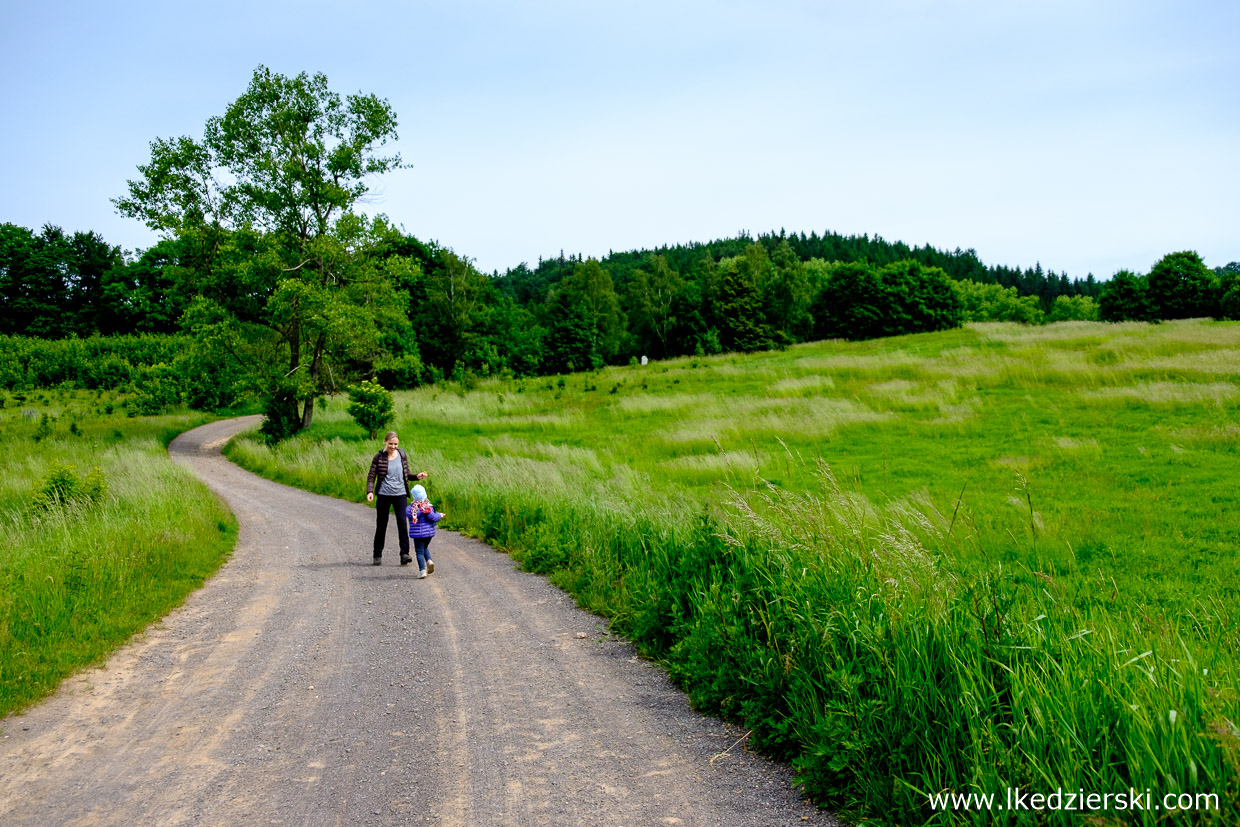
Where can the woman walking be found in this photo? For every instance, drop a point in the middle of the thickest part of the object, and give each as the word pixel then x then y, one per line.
pixel 390 471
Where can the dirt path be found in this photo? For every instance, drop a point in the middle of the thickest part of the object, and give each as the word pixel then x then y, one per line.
pixel 302 685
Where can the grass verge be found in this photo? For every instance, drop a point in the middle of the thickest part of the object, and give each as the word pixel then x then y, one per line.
pixel 83 570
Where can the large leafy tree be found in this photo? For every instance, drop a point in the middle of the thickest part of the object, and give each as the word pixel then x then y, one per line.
pixel 851 304
pixel 1126 298
pixel 280 261
pixel 742 323
pixel 919 299
pixel 651 295
pixel 451 309
pixel 591 287
pixel 571 342
pixel 787 295
pixel 1180 286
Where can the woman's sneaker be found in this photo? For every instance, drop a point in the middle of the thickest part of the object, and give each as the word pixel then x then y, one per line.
pixel 430 566
pixel 421 573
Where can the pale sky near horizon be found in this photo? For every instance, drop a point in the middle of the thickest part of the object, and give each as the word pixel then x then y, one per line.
pixel 1087 136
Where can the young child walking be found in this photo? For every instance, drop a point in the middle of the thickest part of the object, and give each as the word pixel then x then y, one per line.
pixel 422 519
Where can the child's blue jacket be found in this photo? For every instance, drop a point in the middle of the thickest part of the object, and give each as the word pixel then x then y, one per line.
pixel 422 525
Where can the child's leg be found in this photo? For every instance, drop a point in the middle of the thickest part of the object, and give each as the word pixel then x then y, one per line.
pixel 420 546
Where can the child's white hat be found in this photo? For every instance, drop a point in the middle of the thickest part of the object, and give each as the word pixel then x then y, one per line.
pixel 418 493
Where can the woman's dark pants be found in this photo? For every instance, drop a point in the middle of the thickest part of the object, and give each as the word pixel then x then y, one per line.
pixel 382 503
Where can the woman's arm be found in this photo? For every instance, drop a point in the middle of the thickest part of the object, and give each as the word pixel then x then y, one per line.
pixel 371 476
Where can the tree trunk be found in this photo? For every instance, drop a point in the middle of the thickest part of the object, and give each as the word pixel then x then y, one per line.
pixel 307 413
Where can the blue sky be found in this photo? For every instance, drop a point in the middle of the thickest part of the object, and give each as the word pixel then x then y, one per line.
pixel 1088 136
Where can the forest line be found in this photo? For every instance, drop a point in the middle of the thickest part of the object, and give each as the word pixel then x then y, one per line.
pixel 286 292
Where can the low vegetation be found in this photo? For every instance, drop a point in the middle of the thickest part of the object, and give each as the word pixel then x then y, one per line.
pixel 994 557
pixel 101 533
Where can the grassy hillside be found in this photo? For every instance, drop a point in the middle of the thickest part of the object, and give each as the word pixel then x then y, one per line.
pixel 992 557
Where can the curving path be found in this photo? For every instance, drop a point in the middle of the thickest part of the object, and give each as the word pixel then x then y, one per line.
pixel 301 685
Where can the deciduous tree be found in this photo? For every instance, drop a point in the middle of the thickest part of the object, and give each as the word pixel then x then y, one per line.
pixel 651 295
pixel 267 198
pixel 1125 298
pixel 1180 286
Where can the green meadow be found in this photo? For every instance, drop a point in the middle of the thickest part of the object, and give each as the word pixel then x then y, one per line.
pixel 958 562
pixel 100 533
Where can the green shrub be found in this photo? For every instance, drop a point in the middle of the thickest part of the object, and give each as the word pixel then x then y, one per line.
pixel 371 407
pixel 107 362
pixel 44 429
pixel 280 418
pixel 62 485
pixel 983 302
pixel 1073 309
pixel 159 390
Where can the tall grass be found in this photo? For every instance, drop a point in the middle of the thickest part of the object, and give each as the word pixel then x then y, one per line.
pixel 1037 592
pixel 79 577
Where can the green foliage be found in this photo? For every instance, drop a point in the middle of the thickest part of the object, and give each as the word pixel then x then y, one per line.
pixel 1073 309
pixel 280 416
pixel 44 430
pixel 62 486
pixel 787 294
pixel 650 299
pixel 95 486
pixel 742 325
pixel 849 304
pixel 89 561
pixel 1180 286
pixel 51 284
pixel 590 292
pixel 921 299
pixel 371 407
pixel 286 279
pixel 399 372
pixel 858 302
pixel 294 156
pixel 159 391
pixel 571 342
pixel 98 363
pixel 996 303
pixel 1126 298
pixel 1229 290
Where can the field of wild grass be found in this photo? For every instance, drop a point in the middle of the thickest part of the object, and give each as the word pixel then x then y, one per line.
pixel 959 562
pixel 100 533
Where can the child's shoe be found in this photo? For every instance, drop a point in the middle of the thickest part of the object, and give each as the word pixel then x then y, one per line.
pixel 430 566
pixel 421 573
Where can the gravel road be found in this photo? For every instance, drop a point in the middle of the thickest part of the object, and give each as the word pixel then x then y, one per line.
pixel 303 686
